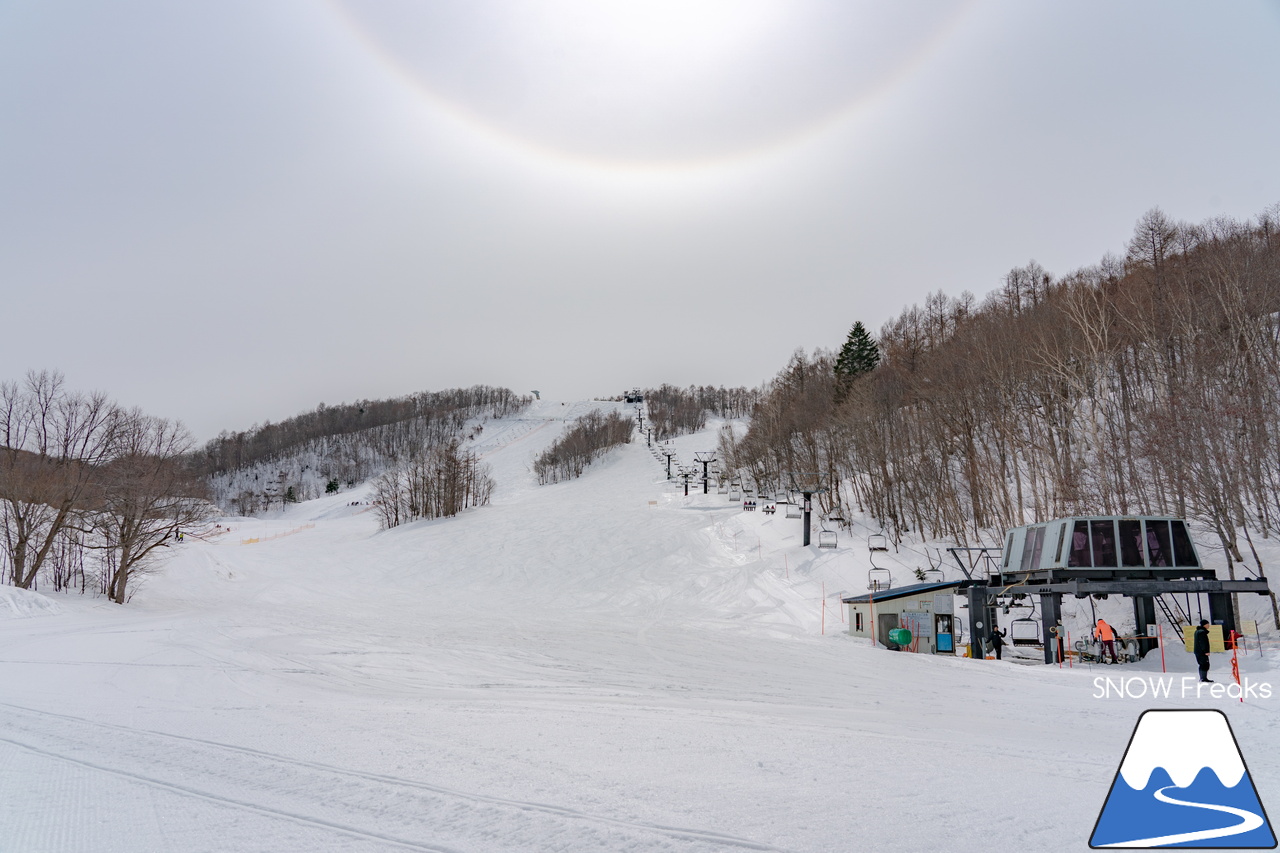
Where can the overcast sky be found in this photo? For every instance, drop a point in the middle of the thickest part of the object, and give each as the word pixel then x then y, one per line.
pixel 227 212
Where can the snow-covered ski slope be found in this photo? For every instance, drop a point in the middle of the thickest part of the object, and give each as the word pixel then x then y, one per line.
pixel 599 665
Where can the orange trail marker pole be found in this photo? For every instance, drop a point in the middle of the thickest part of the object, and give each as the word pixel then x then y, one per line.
pixel 1235 661
pixel 871 600
pixel 1160 634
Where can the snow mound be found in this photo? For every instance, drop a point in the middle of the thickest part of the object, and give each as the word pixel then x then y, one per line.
pixel 19 603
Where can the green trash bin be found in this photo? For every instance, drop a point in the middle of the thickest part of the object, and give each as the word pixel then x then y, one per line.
pixel 900 636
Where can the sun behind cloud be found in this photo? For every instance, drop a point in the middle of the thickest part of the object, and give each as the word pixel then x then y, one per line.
pixel 649 83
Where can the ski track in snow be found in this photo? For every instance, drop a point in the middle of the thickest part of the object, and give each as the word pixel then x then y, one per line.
pixel 590 666
pixel 382 808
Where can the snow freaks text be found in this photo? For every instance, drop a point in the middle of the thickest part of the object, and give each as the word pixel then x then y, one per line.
pixel 1169 686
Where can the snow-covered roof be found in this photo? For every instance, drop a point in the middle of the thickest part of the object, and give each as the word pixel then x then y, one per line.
pixel 901 592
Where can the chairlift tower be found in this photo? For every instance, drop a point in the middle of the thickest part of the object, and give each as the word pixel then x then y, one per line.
pixel 686 474
pixel 705 457
pixel 668 451
pixel 808 484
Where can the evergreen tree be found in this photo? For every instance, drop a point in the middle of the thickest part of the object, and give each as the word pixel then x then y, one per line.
pixel 860 354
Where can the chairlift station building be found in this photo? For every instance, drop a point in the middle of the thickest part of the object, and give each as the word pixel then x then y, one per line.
pixel 1139 557
pixel 927 610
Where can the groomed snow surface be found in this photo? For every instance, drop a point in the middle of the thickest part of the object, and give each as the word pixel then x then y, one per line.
pixel 600 665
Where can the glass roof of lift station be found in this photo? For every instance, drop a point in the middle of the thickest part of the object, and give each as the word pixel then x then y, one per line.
pixel 1156 544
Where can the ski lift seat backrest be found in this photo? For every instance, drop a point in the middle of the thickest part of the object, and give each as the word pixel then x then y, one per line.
pixel 827 539
pixel 1025 632
pixel 877 542
pixel 933 576
pixel 794 511
pixel 879 579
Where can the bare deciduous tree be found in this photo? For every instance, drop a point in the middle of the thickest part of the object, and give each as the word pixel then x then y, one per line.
pixel 144 495
pixel 51 442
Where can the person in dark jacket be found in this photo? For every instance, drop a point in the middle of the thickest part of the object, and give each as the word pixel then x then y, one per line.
pixel 997 641
pixel 1200 645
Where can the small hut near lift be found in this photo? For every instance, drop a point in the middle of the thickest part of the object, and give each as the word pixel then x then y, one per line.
pixel 926 610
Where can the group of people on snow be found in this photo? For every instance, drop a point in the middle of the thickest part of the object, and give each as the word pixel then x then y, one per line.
pixel 1106 636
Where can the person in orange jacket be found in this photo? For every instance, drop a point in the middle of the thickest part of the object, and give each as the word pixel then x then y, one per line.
pixel 1106 635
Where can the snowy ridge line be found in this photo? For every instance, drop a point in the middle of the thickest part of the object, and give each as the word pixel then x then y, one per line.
pixel 525 833
pixel 229 801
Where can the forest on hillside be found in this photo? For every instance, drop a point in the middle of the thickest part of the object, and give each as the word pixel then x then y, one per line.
pixel 676 411
pixel 1148 383
pixel 333 447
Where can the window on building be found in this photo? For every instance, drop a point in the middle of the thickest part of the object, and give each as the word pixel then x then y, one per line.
pixel 1032 543
pixel 1103 534
pixel 1130 542
pixel 1159 552
pixel 1184 553
pixel 1079 554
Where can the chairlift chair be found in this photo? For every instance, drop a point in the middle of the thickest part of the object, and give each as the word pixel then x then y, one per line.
pixel 878 579
pixel 877 542
pixel 826 538
pixel 1025 632
pixel 722 487
pixel 933 576
pixel 781 497
pixel 794 510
